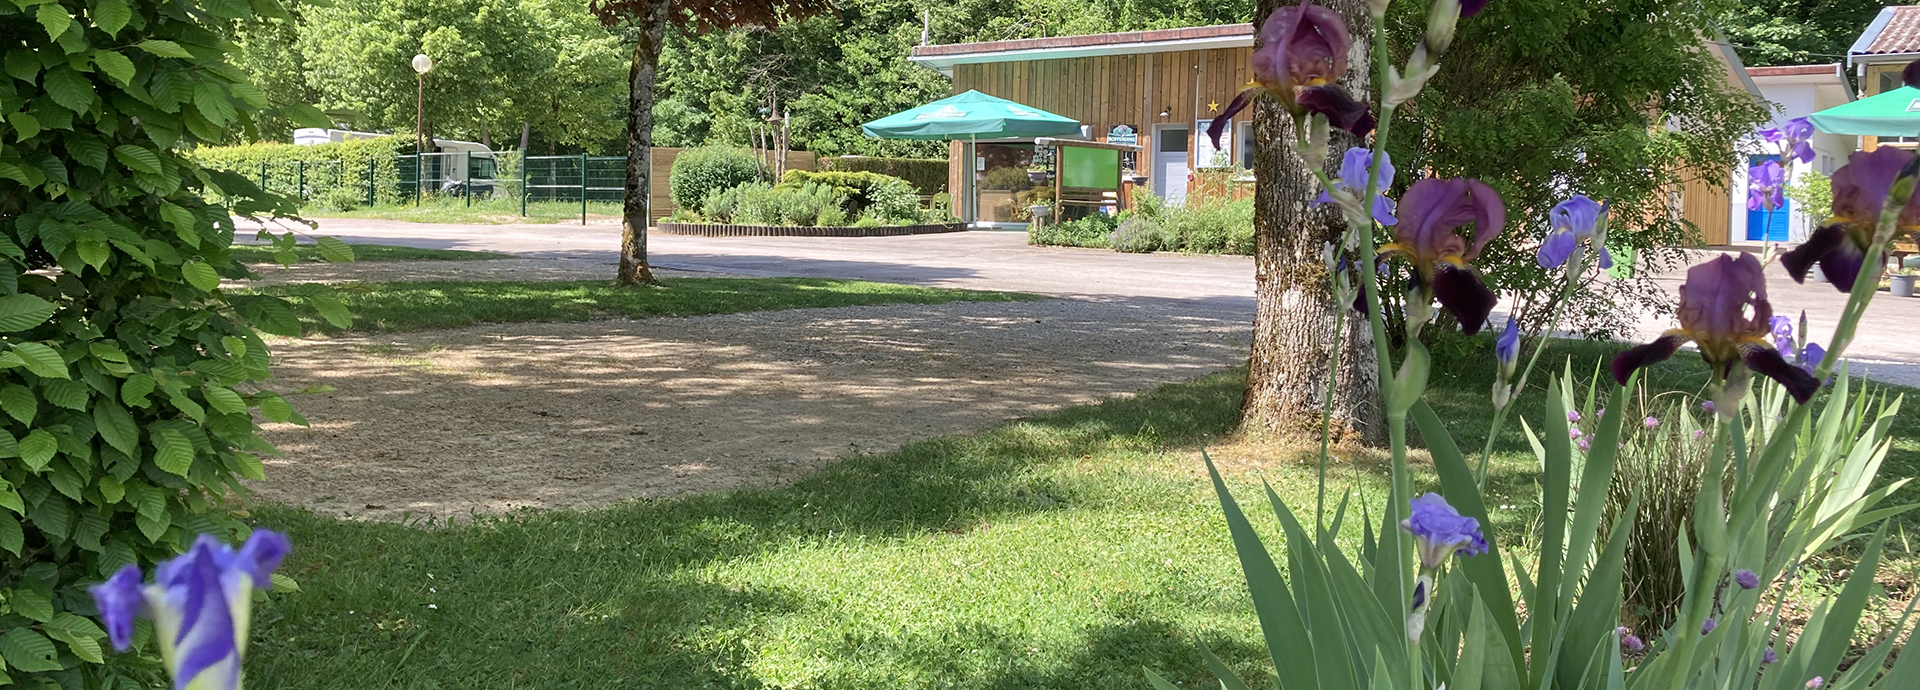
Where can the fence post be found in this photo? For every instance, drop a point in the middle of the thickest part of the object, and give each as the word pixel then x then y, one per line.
pixel 525 160
pixel 370 183
pixel 583 189
pixel 300 173
pixel 263 176
pixel 466 173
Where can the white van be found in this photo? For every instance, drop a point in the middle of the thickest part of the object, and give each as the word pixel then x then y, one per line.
pixel 442 163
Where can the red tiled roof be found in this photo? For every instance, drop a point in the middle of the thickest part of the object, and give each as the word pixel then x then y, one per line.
pixel 1901 34
pixel 1795 70
pixel 1087 41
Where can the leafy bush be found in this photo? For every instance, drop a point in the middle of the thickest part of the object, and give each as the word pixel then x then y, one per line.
pixel 1136 235
pixel 867 222
pixel 758 203
pixel 1812 195
pixel 685 215
pixel 1091 231
pixel 325 167
pixel 698 173
pixel 888 199
pixel 926 175
pixel 341 199
pixel 129 378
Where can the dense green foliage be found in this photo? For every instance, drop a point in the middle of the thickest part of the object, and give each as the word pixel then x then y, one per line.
pixel 129 378
pixel 499 65
pixel 1093 231
pixel 343 165
pixel 1542 98
pixel 884 197
pixel 698 173
pixel 927 175
pixel 1796 32
pixel 412 306
pixel 1205 224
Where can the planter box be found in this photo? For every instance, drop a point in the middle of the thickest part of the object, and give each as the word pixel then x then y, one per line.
pixel 1901 286
pixel 725 230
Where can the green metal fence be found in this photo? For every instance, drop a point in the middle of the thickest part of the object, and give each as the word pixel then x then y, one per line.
pixel 581 178
pixel 463 177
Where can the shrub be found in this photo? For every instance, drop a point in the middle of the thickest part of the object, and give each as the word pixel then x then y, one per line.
pixel 867 222
pixel 130 378
pixel 698 173
pixel 722 206
pixel 888 199
pixel 757 203
pixel 325 167
pixel 1091 231
pixel 926 175
pixel 685 215
pixel 341 199
pixel 1138 235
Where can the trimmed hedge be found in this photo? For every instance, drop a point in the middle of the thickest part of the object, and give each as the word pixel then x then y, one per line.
pixel 927 175
pixel 328 167
pixel 699 173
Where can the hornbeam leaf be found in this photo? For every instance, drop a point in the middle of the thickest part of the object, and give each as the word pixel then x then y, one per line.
pixel 29 651
pixel 54 19
pixel 42 360
pixel 165 49
pixel 200 275
pixel 110 15
pixel 172 451
pixel 139 158
pixel 21 312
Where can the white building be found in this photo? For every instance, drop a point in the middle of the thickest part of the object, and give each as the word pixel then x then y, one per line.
pixel 1798 91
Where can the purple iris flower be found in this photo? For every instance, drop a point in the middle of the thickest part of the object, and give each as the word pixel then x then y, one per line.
pixel 1708 625
pixel 1768 657
pixel 1302 53
pixel 200 603
pixel 1859 192
pixel 1439 530
pixel 1629 642
pixel 1782 328
pixel 1430 211
pixel 1573 220
pixel 1724 310
pixel 1469 8
pixel 1747 579
pixel 1506 349
pixel 1355 167
pixel 1766 186
pixel 1810 357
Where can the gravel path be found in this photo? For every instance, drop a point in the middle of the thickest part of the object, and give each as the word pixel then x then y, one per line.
pixel 497 417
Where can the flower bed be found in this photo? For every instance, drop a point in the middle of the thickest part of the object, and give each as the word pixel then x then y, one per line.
pixel 729 230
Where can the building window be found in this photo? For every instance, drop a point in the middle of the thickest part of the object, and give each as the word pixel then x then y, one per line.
pixel 1888 79
pixel 1243 146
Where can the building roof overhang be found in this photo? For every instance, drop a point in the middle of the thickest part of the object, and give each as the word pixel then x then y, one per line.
pixel 944 57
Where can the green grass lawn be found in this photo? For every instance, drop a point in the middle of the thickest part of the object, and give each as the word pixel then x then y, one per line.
pixel 1064 551
pixel 261 254
pixel 408 306
pixel 480 212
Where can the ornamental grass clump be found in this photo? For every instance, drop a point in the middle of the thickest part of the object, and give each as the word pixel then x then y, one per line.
pixel 1784 461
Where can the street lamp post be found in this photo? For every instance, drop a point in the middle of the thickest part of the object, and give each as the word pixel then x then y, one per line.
pixel 421 66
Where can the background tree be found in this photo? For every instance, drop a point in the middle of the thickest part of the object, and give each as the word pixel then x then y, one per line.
pixel 1619 100
pixel 649 19
pixel 1796 32
pixel 1289 369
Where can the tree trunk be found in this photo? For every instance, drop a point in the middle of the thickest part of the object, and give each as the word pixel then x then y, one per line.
pixel 634 216
pixel 1294 341
pixel 526 132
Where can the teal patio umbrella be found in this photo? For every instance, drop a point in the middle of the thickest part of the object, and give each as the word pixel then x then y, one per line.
pixel 1895 113
pixel 970 115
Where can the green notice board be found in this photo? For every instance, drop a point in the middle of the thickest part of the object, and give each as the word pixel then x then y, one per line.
pixel 1089 167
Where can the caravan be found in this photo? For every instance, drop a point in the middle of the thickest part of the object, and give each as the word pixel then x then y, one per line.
pixel 453 167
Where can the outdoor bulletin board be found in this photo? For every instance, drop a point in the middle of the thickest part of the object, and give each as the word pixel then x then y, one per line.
pixel 1089 167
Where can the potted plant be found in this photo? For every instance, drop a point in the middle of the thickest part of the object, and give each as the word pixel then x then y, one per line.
pixel 1900 281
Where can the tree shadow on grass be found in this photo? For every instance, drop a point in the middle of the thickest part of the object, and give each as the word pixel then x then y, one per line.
pixel 636 595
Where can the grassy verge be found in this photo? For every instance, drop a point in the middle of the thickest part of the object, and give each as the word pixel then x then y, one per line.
pixel 480 212
pixel 1064 551
pixel 411 306
pixel 255 254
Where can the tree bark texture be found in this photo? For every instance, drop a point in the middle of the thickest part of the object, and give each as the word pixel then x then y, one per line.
pixel 635 212
pixel 1294 341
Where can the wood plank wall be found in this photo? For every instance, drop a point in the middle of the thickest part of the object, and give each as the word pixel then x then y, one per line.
pixel 1709 207
pixel 1104 91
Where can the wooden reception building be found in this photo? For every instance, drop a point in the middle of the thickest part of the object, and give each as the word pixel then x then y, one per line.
pixel 1154 89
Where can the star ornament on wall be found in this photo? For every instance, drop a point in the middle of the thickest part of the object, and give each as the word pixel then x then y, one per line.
pixel 1213 106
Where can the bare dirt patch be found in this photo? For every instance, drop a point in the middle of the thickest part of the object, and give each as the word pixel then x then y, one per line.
pixel 497 417
pixel 482 270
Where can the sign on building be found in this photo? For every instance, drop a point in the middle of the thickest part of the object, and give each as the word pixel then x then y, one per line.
pixel 1123 134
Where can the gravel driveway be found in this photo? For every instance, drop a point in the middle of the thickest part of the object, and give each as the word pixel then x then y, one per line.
pixel 558 415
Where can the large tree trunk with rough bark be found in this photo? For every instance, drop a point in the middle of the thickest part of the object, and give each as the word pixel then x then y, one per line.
pixel 634 216
pixel 1294 341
